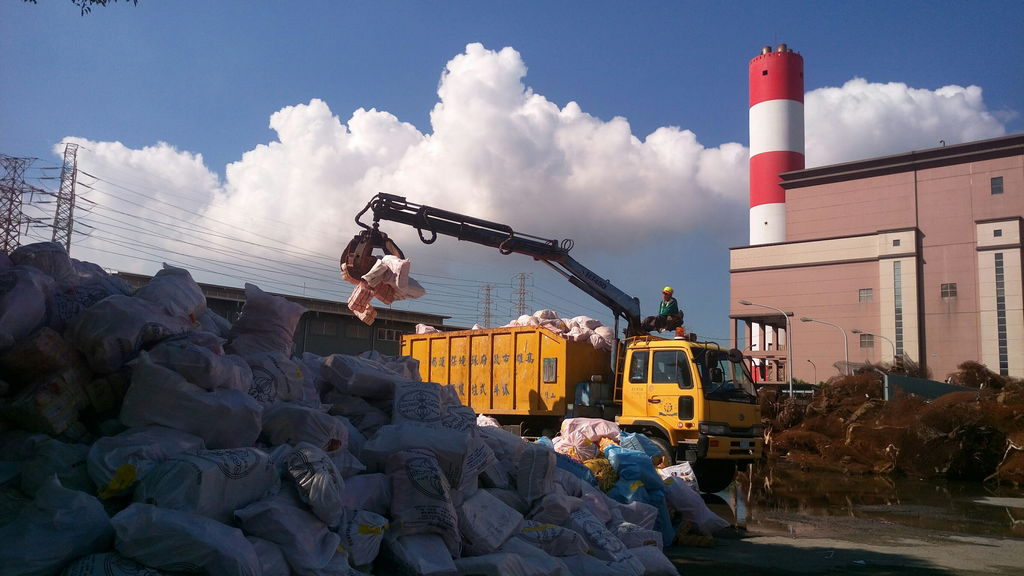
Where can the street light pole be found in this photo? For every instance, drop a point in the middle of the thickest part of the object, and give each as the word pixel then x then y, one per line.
pixel 891 343
pixel 846 343
pixel 789 339
pixel 813 365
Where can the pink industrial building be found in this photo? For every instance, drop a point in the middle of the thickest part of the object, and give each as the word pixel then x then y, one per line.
pixel 915 255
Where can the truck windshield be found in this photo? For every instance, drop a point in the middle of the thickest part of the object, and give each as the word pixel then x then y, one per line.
pixel 721 378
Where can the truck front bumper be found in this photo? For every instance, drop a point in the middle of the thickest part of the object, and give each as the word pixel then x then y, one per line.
pixel 723 448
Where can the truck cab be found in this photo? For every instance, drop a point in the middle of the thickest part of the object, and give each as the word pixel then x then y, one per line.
pixel 696 401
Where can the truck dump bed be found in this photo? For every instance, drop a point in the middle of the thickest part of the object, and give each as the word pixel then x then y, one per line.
pixel 512 371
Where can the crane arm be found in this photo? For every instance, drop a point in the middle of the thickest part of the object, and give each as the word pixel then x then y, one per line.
pixel 429 222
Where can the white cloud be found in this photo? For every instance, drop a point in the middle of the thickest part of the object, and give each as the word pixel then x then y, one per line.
pixel 497 151
pixel 862 119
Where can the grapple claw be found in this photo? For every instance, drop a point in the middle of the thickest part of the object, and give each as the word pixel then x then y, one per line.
pixel 357 259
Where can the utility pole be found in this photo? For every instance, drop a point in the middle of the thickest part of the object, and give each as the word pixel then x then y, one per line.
pixel 12 186
pixel 63 218
pixel 486 304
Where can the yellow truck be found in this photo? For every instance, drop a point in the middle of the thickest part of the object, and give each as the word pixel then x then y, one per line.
pixel 693 399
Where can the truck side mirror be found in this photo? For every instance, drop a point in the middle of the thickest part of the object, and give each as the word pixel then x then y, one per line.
pixel 735 356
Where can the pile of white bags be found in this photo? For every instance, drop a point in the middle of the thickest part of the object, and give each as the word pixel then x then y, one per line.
pixel 165 441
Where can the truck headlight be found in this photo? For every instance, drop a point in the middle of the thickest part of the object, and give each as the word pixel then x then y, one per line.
pixel 757 430
pixel 713 429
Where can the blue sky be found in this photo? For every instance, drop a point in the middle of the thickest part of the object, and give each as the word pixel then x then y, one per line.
pixel 620 125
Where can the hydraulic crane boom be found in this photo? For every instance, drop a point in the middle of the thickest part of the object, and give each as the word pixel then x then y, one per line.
pixel 429 222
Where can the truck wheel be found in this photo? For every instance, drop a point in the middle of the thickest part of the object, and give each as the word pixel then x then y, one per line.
pixel 666 450
pixel 714 475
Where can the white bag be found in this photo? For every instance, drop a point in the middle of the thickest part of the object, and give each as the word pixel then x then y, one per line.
pixel 132 454
pixel 585 322
pixel 318 481
pixel 179 541
pixel 223 418
pixel 112 331
pixel 689 503
pixel 587 565
pixel 53 457
pixel 360 376
pixel 370 492
pixel 634 536
pixel 201 364
pixel 212 483
pixel 545 315
pixel 603 544
pixel 109 564
pixel 593 429
pixel 304 539
pixel 361 534
pixel 405 366
pixel 50 258
pixel 287 423
pixel 554 508
pixel 485 420
pixel 87 286
pixel 275 378
pixel 448 446
pixel 57 527
pixel 485 523
pixel 272 561
pixel 176 292
pixel 419 554
pixel 535 468
pixel 654 560
pixel 555 540
pixel 24 294
pixel 421 501
pixel 266 324
pixel 364 416
pixel 539 561
pixel 682 471
pixel 417 402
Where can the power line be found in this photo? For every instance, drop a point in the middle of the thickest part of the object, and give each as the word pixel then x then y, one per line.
pixel 216 247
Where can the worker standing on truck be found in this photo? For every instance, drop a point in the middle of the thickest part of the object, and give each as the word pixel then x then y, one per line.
pixel 669 316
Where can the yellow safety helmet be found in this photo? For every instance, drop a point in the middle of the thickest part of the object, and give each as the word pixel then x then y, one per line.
pixel 668 289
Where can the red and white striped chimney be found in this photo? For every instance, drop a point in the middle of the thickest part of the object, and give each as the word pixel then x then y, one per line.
pixel 776 137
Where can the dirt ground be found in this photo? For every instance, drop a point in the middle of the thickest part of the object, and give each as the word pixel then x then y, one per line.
pixel 791 544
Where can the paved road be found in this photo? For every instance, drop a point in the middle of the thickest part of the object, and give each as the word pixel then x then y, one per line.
pixel 788 544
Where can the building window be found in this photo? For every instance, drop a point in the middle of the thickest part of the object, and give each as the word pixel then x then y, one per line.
pixel 997 233
pixel 997 185
pixel 323 327
pixel 1001 335
pixel 896 242
pixel 897 301
pixel 865 295
pixel 357 332
pixel 388 334
pixel 867 340
pixel 948 290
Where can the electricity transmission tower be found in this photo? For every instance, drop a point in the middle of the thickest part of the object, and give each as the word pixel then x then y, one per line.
pixel 519 291
pixel 485 316
pixel 12 186
pixel 63 218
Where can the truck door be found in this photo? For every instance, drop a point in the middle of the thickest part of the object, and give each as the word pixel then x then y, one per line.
pixel 670 391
